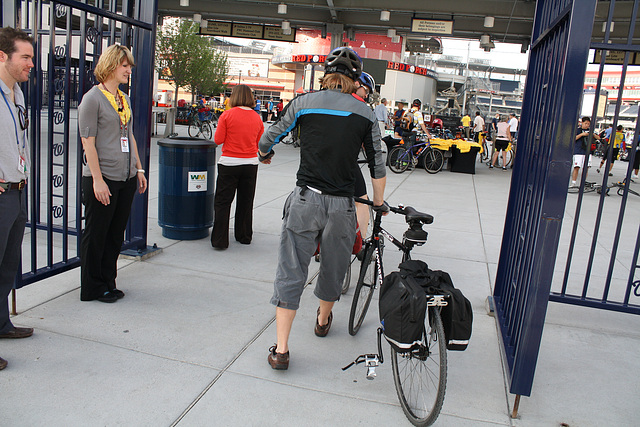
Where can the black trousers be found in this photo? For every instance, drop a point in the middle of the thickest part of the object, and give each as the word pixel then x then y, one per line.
pixel 103 235
pixel 231 180
pixel 13 217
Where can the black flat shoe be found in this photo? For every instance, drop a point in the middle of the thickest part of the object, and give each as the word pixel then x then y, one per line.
pixel 108 296
pixel 118 293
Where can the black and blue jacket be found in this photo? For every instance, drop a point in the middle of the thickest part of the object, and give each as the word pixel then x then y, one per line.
pixel 333 127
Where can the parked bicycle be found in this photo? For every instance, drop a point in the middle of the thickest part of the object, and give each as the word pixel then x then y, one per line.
pixel 199 125
pixel 407 155
pixel 420 375
pixel 621 186
pixel 589 186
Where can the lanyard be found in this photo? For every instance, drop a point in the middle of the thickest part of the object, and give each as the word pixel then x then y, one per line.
pixel 15 125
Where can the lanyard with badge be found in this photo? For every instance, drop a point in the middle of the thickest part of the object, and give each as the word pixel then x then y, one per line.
pixel 22 158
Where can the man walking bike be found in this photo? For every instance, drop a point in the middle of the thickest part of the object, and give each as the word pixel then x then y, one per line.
pixel 334 126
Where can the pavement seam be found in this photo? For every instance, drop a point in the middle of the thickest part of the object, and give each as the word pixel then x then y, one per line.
pixel 232 361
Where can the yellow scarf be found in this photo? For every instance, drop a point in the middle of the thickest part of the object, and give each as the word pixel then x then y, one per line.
pixel 125 114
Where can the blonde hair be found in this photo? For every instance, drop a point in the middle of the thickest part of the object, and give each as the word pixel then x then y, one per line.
pixel 337 80
pixel 114 56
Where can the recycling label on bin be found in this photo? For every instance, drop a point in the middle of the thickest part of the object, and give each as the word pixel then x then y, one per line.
pixel 197 181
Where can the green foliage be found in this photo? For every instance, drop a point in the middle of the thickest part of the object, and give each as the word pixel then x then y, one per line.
pixel 189 60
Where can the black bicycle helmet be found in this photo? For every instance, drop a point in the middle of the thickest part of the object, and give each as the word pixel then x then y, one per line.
pixel 345 61
pixel 417 103
pixel 367 80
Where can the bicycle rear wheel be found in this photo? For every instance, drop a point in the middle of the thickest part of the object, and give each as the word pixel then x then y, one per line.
pixel 206 131
pixel 346 283
pixel 420 376
pixel 484 156
pixel 367 281
pixel 399 159
pixel 194 129
pixel 433 160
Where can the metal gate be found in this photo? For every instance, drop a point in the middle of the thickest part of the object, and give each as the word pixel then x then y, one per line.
pixel 69 37
pixel 539 204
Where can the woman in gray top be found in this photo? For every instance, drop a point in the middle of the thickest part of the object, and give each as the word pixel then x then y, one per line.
pixel 111 175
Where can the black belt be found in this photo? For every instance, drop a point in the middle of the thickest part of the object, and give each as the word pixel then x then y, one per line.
pixel 13 185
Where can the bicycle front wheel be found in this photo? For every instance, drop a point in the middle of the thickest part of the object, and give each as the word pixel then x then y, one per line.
pixel 206 131
pixel 420 375
pixel 367 281
pixel 399 159
pixel 433 160
pixel 194 129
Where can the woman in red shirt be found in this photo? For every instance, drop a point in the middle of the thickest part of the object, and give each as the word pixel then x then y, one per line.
pixel 239 130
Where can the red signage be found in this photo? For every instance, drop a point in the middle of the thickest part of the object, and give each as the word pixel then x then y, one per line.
pixel 400 66
pixel 309 58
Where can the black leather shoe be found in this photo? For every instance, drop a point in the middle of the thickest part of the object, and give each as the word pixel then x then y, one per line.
pixel 108 296
pixel 323 330
pixel 18 333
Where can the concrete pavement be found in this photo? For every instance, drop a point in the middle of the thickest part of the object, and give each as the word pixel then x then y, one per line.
pixel 188 344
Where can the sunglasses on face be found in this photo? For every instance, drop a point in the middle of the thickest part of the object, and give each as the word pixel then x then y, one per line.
pixel 23 118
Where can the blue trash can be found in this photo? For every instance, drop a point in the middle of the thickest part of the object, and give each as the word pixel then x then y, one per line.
pixel 186 187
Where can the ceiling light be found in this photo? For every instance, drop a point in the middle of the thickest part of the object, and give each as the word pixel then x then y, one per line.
pixel 282 9
pixel 184 3
pixel 286 31
pixel 197 17
pixel 286 25
pixel 391 32
pixel 604 27
pixel 395 39
pixel 385 15
pixel 204 24
pixel 489 21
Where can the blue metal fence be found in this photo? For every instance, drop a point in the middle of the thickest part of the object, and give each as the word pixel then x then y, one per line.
pixel 560 47
pixel 69 37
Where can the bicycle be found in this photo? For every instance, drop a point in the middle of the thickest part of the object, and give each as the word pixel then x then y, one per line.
pixel 589 186
pixel 621 185
pixel 199 127
pixel 420 375
pixel 401 157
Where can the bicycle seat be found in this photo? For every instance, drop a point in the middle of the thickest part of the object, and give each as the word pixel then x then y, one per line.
pixel 413 215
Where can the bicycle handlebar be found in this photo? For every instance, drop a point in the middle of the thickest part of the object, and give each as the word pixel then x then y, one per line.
pixel 410 213
pixel 398 210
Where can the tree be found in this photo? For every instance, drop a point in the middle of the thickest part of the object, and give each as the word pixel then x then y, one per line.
pixel 189 60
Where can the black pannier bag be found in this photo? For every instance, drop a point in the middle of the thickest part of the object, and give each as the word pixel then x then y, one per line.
pixel 457 316
pixel 402 310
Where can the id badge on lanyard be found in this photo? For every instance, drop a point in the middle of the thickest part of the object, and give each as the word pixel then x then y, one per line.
pixel 124 139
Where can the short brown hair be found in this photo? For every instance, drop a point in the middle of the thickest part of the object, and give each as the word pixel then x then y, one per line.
pixel 114 56
pixel 8 37
pixel 337 80
pixel 242 96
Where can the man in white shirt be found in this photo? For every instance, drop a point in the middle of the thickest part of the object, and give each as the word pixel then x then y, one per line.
pixel 382 114
pixel 513 125
pixel 478 126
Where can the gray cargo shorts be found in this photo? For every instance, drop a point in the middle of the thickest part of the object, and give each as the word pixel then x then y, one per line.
pixel 311 218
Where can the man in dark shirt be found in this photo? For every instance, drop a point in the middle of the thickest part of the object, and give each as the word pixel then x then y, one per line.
pixel 580 148
pixel 334 125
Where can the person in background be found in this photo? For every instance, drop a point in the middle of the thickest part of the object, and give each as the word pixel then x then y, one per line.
pixel 466 126
pixel 258 107
pixel 513 126
pixel 636 160
pixel 382 114
pixel 478 126
pixel 334 127
pixel 279 108
pixel 493 129
pixel 16 62
pixel 238 131
pixel 111 175
pixel 618 140
pixel 270 110
pixel 580 148
pixel 417 117
pixel 397 120
pixel 501 142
